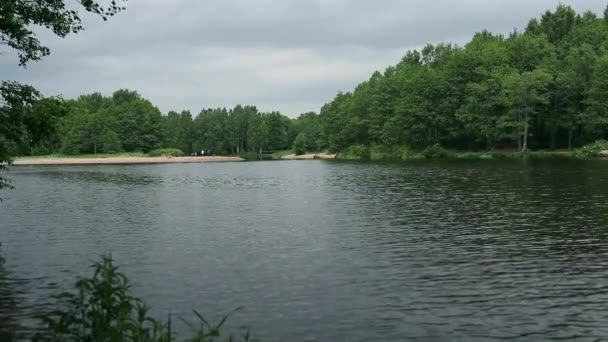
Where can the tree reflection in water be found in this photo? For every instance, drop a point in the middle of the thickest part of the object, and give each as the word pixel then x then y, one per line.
pixel 9 304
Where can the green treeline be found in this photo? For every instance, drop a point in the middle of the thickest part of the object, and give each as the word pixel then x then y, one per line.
pixel 543 88
pixel 546 87
pixel 126 122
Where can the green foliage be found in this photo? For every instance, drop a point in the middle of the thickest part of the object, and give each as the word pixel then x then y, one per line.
pixel 382 152
pixel 592 150
pixel 299 144
pixel 358 151
pixel 512 155
pixel 28 120
pixel 434 151
pixel 19 15
pixel 5 183
pixel 409 154
pixel 110 141
pixel 98 124
pixel 311 126
pixel 166 152
pixel 103 309
pixel 544 88
pixel 177 131
pixel 126 122
pixel 524 94
pixel 282 153
pixel 241 129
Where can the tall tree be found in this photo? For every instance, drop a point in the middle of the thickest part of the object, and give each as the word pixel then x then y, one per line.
pixel 542 87
pixel 526 95
pixel 596 116
pixel 26 120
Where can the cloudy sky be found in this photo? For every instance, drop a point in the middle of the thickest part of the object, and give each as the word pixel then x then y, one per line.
pixel 286 55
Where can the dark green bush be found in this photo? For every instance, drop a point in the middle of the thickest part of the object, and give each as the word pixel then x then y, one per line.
pixel 299 144
pixel 434 151
pixel 380 152
pixel 592 150
pixel 166 152
pixel 358 151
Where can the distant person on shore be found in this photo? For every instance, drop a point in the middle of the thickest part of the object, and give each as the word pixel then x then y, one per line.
pixel 202 152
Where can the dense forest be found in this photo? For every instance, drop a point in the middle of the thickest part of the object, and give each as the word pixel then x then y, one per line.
pixel 546 87
pixel 543 88
pixel 126 122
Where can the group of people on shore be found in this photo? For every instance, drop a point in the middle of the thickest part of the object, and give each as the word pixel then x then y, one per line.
pixel 202 153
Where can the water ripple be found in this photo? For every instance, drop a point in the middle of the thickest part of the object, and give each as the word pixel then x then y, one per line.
pixel 326 251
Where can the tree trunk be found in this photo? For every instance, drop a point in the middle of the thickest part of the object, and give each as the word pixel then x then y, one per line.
pixel 518 132
pixel 570 133
pixel 519 141
pixel 526 125
pixel 94 148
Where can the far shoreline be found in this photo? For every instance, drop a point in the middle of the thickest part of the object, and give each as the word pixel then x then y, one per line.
pixel 122 160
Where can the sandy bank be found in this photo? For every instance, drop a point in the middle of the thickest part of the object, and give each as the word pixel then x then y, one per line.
pixel 310 156
pixel 124 160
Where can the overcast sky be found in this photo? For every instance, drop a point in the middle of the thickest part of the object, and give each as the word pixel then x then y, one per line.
pixel 286 55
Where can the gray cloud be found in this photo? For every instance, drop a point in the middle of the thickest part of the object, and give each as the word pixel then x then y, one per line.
pixel 288 55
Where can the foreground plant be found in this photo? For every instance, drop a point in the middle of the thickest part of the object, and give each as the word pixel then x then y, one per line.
pixel 103 309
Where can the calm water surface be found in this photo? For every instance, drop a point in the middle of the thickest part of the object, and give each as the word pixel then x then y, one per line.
pixel 325 251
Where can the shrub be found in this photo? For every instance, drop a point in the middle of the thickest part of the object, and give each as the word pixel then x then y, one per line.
pixel 592 150
pixel 379 152
pixel 434 151
pixel 166 152
pixel 103 309
pixel 299 144
pixel 358 151
pixel 110 142
pixel 409 154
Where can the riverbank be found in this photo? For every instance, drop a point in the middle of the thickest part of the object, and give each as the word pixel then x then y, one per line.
pixel 309 156
pixel 286 155
pixel 371 154
pixel 597 149
pixel 377 153
pixel 120 160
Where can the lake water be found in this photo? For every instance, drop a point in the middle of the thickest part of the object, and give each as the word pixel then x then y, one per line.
pixel 323 250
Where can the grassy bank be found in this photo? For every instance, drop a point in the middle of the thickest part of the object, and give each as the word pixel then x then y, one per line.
pixel 380 153
pixel 280 154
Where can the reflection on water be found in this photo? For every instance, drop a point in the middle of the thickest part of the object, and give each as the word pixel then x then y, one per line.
pixel 9 305
pixel 97 177
pixel 328 251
